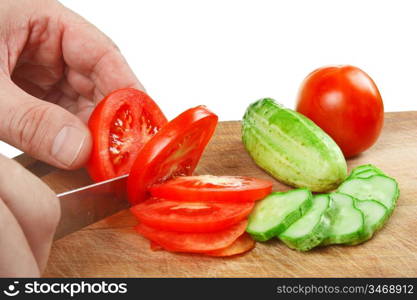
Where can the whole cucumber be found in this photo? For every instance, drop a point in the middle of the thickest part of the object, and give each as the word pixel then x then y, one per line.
pixel 291 147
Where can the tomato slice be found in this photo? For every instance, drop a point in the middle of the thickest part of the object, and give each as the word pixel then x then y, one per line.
pixel 190 217
pixel 120 125
pixel 155 247
pixel 174 151
pixel 243 244
pixel 192 242
pixel 213 188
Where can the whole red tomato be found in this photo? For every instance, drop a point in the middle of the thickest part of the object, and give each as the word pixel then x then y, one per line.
pixel 345 102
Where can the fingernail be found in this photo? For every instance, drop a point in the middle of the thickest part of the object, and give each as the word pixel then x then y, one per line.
pixel 67 145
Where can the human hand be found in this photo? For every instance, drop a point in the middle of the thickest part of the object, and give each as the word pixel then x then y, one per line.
pixel 54 68
pixel 48 52
pixel 29 214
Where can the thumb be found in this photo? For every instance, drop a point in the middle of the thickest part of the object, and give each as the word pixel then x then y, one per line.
pixel 43 130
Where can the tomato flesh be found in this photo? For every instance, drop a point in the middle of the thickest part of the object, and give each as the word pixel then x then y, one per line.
pixel 192 242
pixel 190 217
pixel 243 244
pixel 213 188
pixel 345 102
pixel 120 138
pixel 120 125
pixel 174 151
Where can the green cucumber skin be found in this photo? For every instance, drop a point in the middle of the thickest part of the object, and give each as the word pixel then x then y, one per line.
pixel 395 196
pixel 366 174
pixel 313 238
pixel 347 238
pixel 281 227
pixel 291 147
pixel 369 233
pixel 365 171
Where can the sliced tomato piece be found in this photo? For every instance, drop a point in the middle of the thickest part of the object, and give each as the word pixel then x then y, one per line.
pixel 154 246
pixel 213 188
pixel 190 216
pixel 120 126
pixel 243 244
pixel 192 242
pixel 174 151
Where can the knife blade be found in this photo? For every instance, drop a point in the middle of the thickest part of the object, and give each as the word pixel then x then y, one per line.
pixel 89 204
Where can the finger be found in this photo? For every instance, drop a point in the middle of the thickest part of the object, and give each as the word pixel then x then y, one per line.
pixel 85 108
pixel 42 129
pixel 69 104
pixel 16 258
pixel 67 89
pixel 83 85
pixel 81 106
pixel 100 61
pixel 34 206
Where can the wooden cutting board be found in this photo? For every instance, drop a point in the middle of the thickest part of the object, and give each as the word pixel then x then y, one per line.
pixel 111 248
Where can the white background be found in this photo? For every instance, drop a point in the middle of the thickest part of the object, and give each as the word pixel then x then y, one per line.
pixel 226 54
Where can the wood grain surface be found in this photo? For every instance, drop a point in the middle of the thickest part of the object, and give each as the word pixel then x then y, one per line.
pixel 111 247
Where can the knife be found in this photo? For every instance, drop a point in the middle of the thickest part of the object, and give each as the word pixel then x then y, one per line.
pixel 89 204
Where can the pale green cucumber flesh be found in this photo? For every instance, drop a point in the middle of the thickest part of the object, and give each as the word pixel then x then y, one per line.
pixel 375 215
pixel 291 147
pixel 362 168
pixel 275 213
pixel 378 187
pixel 347 222
pixel 312 228
pixel 367 174
pixel 365 171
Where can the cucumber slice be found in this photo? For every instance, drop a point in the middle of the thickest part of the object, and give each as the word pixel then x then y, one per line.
pixel 362 168
pixel 375 215
pixel 378 187
pixel 275 213
pixel 347 223
pixel 365 171
pixel 367 174
pixel 312 228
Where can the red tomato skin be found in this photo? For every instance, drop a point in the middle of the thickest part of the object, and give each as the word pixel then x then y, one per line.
pixel 183 189
pixel 345 102
pixel 152 164
pixel 192 242
pixel 168 215
pixel 99 165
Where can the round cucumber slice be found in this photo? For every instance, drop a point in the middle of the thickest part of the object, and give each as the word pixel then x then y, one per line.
pixel 367 174
pixel 375 216
pixel 347 222
pixel 275 213
pixel 365 171
pixel 380 188
pixel 311 229
pixel 363 168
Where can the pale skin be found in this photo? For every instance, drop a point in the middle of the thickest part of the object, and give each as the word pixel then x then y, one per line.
pixel 54 68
